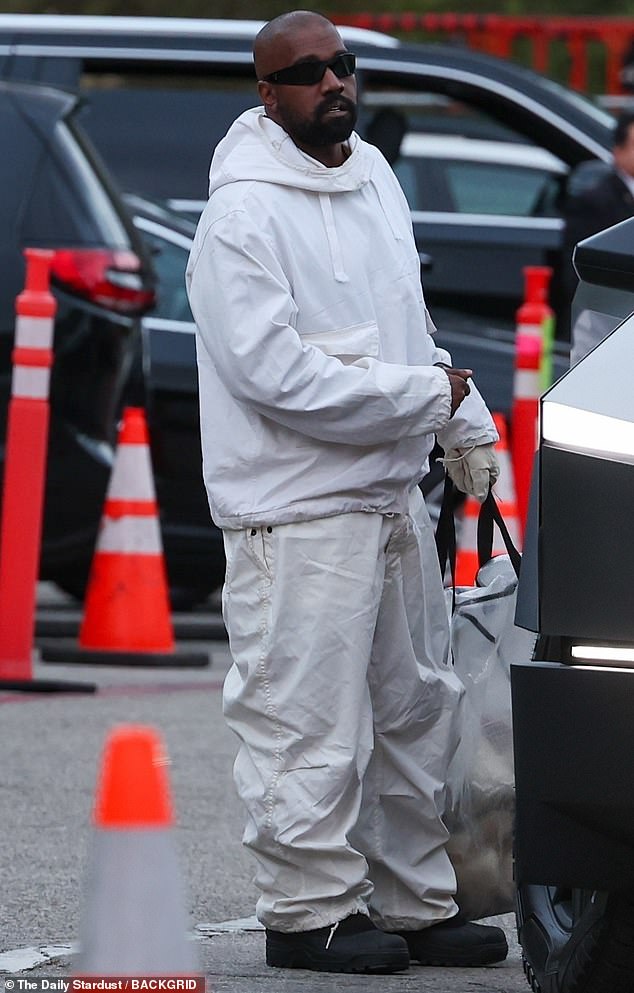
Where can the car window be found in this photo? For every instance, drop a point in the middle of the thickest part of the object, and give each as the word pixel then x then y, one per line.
pixel 153 114
pixel 170 261
pixel 471 187
pixel 387 98
pixel 413 186
pixel 486 188
pixel 450 156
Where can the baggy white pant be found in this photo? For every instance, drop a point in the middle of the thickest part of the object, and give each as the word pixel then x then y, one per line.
pixel 344 703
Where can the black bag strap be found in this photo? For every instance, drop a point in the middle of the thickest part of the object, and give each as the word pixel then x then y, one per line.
pixel 488 516
pixel 446 530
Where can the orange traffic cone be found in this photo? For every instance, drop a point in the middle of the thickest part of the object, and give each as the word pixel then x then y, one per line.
pixel 535 318
pixel 467 563
pixel 127 603
pixel 504 490
pixel 126 613
pixel 25 455
pixel 525 418
pixel 134 920
pixel 467 544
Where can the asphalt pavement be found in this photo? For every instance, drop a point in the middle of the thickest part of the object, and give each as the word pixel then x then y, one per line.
pixel 51 746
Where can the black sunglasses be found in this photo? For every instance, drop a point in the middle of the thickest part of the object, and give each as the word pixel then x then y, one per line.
pixel 309 73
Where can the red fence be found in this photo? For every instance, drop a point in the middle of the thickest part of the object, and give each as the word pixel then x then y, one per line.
pixel 594 48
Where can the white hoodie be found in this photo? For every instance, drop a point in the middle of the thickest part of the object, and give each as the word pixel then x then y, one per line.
pixel 318 392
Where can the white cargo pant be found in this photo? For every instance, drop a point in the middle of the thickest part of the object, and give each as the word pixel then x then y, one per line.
pixel 344 704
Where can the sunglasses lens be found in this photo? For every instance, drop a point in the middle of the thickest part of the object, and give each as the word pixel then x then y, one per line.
pixel 309 73
pixel 343 65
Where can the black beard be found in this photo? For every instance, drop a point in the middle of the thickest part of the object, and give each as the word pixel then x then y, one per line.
pixel 318 133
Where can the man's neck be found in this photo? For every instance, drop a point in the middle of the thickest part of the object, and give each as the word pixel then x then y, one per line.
pixel 331 156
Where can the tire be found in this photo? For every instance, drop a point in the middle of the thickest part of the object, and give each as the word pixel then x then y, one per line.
pixel 576 941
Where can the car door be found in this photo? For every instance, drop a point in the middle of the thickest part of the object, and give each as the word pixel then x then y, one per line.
pixel 483 209
pixel 484 199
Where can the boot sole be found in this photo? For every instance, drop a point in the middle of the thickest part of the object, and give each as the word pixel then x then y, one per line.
pixel 379 963
pixel 484 956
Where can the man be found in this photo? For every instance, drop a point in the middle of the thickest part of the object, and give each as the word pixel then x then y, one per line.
pixel 607 201
pixel 320 393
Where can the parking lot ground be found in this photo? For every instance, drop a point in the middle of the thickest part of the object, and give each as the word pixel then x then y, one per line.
pixel 50 747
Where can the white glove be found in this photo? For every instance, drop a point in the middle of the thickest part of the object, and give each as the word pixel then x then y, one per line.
pixel 473 470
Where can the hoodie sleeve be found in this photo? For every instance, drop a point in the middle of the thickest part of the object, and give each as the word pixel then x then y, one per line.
pixel 244 312
pixel 472 423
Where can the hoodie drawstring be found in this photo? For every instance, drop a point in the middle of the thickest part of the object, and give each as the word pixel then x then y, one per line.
pixel 333 241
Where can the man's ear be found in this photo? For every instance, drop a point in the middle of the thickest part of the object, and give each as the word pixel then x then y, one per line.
pixel 267 95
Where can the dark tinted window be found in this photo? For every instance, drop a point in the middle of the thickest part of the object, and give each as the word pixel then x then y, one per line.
pixel 68 204
pixel 21 150
pixel 137 119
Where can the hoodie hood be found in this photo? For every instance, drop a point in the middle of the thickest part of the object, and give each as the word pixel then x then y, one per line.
pixel 256 148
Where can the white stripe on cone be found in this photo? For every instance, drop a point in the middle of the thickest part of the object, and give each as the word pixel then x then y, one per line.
pixel 130 535
pixel 131 477
pixel 504 486
pixel 30 381
pixel 33 332
pixel 512 526
pixel 526 385
pixel 530 330
pixel 468 532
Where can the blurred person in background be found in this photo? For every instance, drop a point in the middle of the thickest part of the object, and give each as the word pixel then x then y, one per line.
pixel 321 392
pixel 592 205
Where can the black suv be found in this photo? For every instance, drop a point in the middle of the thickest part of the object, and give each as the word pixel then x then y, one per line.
pixel 54 194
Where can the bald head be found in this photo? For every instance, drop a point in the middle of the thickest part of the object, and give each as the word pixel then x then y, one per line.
pixel 276 44
pixel 317 105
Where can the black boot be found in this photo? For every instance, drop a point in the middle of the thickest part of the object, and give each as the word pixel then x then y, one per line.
pixel 351 945
pixel 453 942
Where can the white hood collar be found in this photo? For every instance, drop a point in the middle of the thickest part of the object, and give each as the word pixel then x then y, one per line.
pixel 256 148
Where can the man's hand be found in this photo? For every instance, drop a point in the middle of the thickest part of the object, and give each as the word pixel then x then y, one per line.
pixel 459 385
pixel 473 470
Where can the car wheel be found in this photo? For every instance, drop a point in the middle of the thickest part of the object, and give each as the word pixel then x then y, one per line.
pixel 576 941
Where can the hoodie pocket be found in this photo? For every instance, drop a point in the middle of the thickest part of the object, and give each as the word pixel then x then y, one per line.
pixel 347 344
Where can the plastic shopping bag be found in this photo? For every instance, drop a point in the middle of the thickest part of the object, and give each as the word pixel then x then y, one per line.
pixel 480 787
